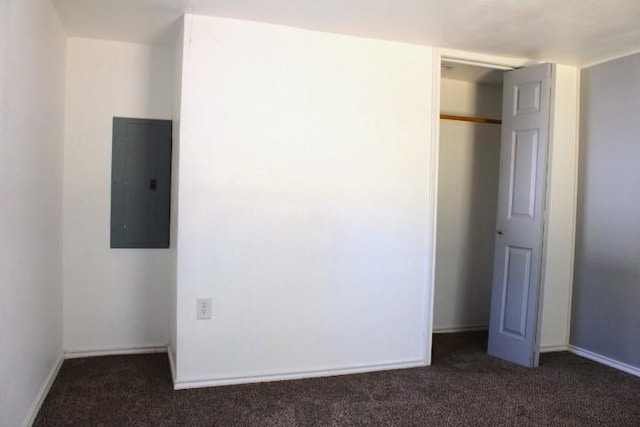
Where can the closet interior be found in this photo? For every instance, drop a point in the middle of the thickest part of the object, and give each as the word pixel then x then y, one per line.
pixel 469 154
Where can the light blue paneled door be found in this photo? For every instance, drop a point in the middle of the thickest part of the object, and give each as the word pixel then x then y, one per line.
pixel 515 298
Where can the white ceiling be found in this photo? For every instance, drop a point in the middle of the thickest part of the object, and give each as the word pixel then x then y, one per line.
pixel 575 32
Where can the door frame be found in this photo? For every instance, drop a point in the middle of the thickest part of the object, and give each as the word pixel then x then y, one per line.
pixel 433 149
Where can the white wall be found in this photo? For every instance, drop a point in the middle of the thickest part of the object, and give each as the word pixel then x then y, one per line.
pixel 561 210
pixel 302 210
pixel 468 164
pixel 32 44
pixel 113 298
pixel 470 98
pixel 175 172
pixel 605 319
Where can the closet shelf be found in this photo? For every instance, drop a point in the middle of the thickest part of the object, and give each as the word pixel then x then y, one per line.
pixel 471 119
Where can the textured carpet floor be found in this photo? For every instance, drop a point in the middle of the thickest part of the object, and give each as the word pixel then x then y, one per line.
pixel 463 387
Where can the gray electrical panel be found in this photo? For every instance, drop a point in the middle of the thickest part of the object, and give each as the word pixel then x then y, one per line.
pixel 140 183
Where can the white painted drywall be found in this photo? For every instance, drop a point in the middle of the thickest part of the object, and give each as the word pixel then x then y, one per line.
pixel 31 130
pixel 303 202
pixel 175 175
pixel 468 165
pixel 561 210
pixel 470 98
pixel 605 318
pixel 113 298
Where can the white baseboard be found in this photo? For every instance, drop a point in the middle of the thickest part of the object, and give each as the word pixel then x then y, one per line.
pixel 114 351
pixel 172 365
pixel 454 329
pixel 186 383
pixel 551 348
pixel 42 395
pixel 633 370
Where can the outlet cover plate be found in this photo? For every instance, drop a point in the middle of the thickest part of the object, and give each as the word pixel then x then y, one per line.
pixel 203 308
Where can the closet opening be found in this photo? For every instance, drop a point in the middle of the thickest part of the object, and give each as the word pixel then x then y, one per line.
pixel 468 173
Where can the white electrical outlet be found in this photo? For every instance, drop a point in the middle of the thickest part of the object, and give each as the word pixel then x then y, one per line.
pixel 203 308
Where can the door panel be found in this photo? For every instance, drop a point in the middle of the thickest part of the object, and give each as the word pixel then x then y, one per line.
pixel 523 173
pixel 515 298
pixel 526 98
pixel 515 290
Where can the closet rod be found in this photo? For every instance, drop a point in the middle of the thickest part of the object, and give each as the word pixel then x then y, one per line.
pixel 471 119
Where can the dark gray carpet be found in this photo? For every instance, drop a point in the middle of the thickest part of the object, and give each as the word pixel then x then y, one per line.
pixel 463 387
